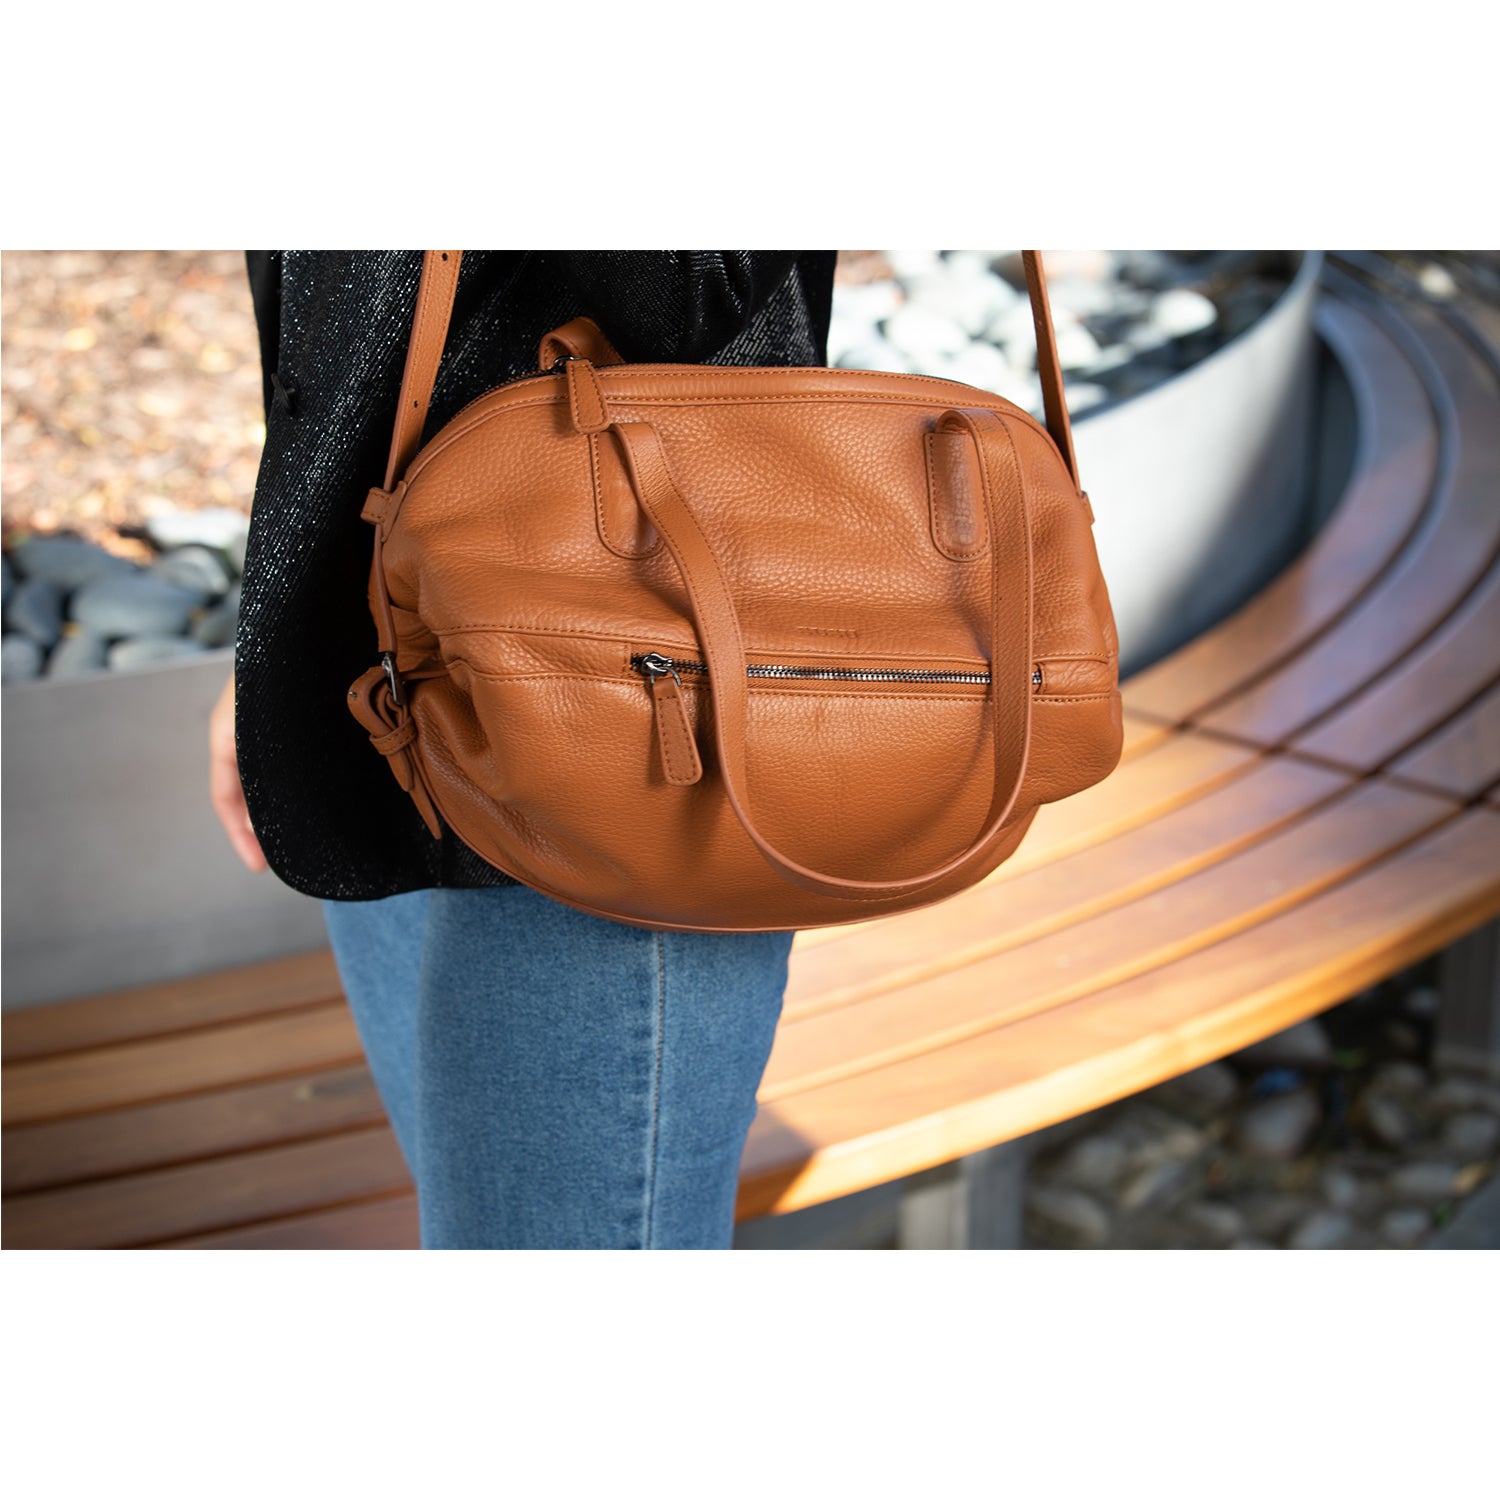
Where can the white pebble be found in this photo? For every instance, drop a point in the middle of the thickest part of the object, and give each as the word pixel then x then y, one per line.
pixel 1181 312
pixel 922 334
pixel 874 355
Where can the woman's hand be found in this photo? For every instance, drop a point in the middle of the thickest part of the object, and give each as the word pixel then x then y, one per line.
pixel 224 781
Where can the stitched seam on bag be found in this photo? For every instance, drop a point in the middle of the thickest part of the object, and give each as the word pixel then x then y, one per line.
pixel 596 466
pixel 932 510
pixel 443 441
pixel 665 739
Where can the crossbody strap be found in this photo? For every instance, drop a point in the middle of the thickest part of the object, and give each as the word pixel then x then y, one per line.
pixel 429 332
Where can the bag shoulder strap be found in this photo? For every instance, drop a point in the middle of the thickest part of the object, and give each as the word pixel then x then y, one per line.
pixel 429 332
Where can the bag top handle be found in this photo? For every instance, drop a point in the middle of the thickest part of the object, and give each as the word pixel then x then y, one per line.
pixel 429 333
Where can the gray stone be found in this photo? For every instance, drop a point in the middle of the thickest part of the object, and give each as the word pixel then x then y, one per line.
pixel 1323 1229
pixel 1304 1045
pixel 194 568
pixel 1423 1003
pixel 1083 394
pixel 1402 1228
pixel 1277 1129
pixel 1472 1136
pixel 1015 331
pixel 1151 1184
pixel 216 527
pixel 1430 1182
pixel 1069 1215
pixel 20 659
pixel 1152 1134
pixel 923 335
pixel 1219 1223
pixel 1399 1078
pixel 77 655
pixel 216 626
pixel 1402 1036
pixel 134 604
pixel 1200 1095
pixel 235 552
pixel 68 561
pixel 875 354
pixel 869 303
pixel 982 365
pixel 141 650
pixel 1271 1214
pixel 909 263
pixel 1182 312
pixel 1340 1188
pixel 1077 348
pixel 1097 1162
pixel 36 610
pixel 1388 1121
pixel 966 297
pixel 1456 1092
pixel 1148 268
pixel 846 334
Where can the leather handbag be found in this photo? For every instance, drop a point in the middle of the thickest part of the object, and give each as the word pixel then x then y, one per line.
pixel 729 649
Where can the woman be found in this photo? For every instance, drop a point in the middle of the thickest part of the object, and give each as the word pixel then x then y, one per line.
pixel 555 1079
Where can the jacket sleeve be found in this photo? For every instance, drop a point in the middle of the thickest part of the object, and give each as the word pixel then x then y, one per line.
pixel 674 305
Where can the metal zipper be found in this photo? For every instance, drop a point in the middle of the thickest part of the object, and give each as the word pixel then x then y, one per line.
pixel 653 664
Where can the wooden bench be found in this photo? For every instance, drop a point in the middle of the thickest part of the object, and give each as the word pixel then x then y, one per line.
pixel 1309 801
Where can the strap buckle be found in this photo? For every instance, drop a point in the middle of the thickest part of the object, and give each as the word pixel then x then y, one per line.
pixel 388 661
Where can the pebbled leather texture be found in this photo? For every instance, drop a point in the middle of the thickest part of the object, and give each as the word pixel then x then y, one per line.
pixel 733 520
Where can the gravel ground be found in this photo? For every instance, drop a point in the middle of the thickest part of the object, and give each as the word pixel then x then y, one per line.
pixel 131 387
pixel 1336 1134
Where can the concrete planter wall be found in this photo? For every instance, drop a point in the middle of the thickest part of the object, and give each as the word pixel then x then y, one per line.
pixel 116 871
pixel 1201 487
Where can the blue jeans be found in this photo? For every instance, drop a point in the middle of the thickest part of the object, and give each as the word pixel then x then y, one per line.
pixel 557 1080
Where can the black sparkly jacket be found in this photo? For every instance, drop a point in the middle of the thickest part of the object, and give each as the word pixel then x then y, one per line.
pixel 333 331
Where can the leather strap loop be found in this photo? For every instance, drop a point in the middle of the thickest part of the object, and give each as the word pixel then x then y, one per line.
pixel 719 634
pixel 435 305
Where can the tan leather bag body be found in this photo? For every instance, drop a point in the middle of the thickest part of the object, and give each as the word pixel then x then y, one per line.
pixel 717 649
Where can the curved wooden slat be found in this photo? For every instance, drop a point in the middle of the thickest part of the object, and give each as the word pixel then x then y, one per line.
pixel 1442 677
pixel 1175 769
pixel 1382 504
pixel 238 994
pixel 1238 893
pixel 383 1224
pixel 823 1143
pixel 1444 562
pixel 74 1083
pixel 147 1207
pixel 987 920
pixel 177 1130
pixel 1462 759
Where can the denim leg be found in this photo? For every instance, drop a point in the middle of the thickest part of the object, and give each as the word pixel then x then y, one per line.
pixel 378 948
pixel 582 1083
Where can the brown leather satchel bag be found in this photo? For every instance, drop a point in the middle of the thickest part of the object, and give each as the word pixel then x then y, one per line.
pixel 719 649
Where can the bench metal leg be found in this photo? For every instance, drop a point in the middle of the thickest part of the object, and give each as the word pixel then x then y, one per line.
pixel 975 1203
pixel 1468 1020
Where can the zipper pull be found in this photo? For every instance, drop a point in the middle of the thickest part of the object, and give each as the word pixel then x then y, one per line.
pixel 674 734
